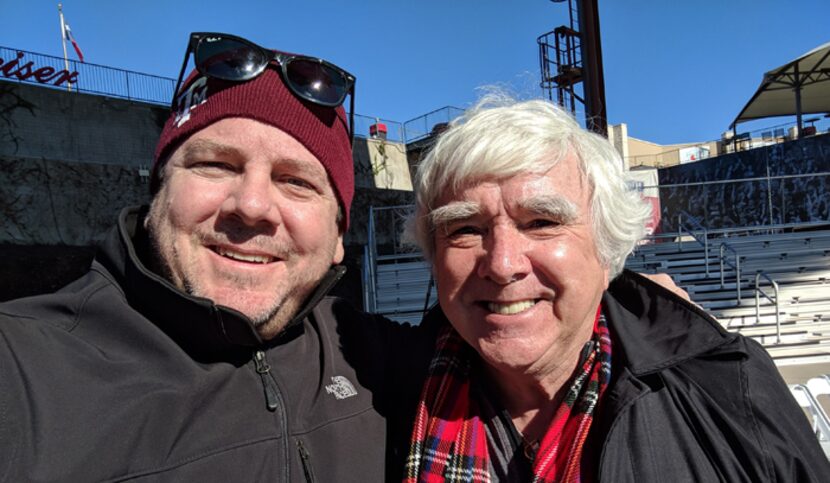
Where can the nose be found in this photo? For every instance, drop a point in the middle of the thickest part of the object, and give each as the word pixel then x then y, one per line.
pixel 504 259
pixel 252 199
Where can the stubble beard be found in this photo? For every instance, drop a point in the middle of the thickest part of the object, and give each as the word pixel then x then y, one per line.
pixel 184 274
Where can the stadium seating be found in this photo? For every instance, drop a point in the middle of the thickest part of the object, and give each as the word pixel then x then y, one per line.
pixel 724 284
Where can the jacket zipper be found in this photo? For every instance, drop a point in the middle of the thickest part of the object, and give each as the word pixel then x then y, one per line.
pixel 268 384
pixel 306 460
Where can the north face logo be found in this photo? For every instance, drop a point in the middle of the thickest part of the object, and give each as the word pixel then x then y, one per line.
pixel 341 388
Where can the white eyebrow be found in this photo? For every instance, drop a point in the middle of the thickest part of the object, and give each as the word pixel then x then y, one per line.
pixel 452 212
pixel 563 209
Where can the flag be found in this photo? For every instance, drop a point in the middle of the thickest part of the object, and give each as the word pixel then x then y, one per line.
pixel 68 35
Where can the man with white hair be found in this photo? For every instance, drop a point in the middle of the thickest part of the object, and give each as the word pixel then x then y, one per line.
pixel 555 364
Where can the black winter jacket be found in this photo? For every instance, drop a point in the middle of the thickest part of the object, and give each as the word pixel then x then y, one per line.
pixel 690 402
pixel 121 377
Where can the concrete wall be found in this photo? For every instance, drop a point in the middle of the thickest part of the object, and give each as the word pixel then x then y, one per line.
pixel 648 154
pixel 381 164
pixel 48 202
pixel 52 124
pixel 618 136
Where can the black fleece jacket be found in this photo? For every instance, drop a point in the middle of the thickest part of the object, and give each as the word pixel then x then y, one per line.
pixel 121 377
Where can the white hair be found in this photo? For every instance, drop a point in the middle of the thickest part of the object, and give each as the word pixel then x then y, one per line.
pixel 500 138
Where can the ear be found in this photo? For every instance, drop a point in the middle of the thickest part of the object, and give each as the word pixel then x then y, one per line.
pixel 339 251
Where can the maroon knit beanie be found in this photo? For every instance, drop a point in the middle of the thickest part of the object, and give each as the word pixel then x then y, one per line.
pixel 322 130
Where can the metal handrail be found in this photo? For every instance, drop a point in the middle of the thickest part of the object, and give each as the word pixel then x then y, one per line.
pixel 370 258
pixel 736 267
pixel 705 242
pixel 412 128
pixel 759 292
pixel 100 79
pixel 137 86
pixel 757 287
pixel 821 423
pixel 367 280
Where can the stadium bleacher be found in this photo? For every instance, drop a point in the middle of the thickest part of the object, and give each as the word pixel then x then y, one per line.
pixel 796 330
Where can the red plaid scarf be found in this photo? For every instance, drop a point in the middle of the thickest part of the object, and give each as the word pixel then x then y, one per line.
pixel 449 441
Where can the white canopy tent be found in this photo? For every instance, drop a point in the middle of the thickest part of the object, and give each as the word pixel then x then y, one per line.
pixel 801 86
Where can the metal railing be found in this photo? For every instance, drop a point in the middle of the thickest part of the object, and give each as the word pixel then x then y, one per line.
pixel 430 123
pixel 756 138
pixel 387 257
pixel 370 257
pixel 91 78
pixel 724 261
pixel 125 84
pixel 759 292
pixel 737 267
pixel 681 227
pixel 371 252
pixel 369 285
pixel 806 399
pixel 395 130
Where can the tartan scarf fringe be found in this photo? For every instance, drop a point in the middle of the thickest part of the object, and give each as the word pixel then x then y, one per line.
pixel 449 442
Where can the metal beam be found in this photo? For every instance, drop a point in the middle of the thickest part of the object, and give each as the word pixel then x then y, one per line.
pixel 595 112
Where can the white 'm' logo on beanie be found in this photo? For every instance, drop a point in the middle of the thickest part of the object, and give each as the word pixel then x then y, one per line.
pixel 190 99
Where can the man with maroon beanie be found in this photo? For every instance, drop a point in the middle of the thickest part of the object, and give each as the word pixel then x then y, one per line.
pixel 201 345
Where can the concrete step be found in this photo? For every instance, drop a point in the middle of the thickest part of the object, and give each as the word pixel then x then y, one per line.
pixel 809 347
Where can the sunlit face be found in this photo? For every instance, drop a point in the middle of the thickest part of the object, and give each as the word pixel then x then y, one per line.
pixel 517 270
pixel 246 217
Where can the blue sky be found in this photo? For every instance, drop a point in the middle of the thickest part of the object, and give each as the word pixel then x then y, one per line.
pixel 674 71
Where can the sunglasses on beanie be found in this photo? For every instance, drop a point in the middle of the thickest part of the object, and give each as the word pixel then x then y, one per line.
pixel 231 58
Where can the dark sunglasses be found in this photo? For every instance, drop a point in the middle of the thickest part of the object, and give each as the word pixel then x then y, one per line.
pixel 231 58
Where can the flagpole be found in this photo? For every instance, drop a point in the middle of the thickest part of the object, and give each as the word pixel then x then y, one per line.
pixel 63 42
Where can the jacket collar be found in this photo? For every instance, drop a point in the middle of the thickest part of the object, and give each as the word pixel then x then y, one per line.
pixel 653 328
pixel 207 331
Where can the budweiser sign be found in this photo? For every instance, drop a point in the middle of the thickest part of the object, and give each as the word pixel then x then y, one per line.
pixel 16 69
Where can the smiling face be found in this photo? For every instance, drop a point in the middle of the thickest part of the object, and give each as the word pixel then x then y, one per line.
pixel 517 270
pixel 246 217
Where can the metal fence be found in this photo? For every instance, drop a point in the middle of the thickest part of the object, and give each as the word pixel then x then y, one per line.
pixel 91 78
pixel 125 84
pixel 395 130
pixel 430 123
pixel 756 138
